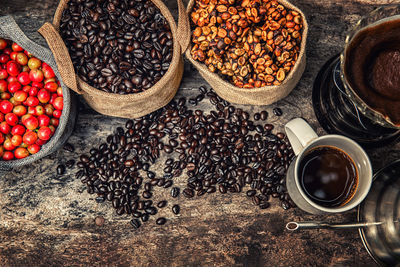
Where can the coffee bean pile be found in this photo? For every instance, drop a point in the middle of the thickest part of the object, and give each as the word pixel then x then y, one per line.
pixel 117 46
pixel 222 151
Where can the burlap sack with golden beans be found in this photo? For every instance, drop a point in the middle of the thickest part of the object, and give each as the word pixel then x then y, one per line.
pixel 130 105
pixel 254 96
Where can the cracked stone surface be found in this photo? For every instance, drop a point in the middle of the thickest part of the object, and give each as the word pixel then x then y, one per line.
pixel 46 219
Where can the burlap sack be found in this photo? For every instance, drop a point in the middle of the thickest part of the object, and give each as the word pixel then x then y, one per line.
pixel 131 105
pixel 10 30
pixel 255 96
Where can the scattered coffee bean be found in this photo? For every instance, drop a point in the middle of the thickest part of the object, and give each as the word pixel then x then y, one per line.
pixel 223 150
pixel 187 192
pixel 176 209
pixel 135 223
pixel 69 147
pixel 70 163
pixel 60 169
pixel 162 204
pixel 175 192
pixel 277 111
pixel 264 115
pixel 161 221
pixel 145 217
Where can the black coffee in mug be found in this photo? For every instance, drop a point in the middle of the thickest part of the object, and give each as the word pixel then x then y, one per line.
pixel 328 176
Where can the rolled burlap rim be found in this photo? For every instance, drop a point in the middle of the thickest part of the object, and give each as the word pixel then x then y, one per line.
pixel 255 96
pixel 130 105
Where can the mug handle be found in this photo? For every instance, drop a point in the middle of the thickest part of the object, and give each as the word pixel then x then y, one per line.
pixel 300 134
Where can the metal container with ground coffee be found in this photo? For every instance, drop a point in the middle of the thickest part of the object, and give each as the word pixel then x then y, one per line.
pixel 370 65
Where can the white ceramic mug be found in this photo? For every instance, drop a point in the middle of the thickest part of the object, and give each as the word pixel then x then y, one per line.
pixel 303 139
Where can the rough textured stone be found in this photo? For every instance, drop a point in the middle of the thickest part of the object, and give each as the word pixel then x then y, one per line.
pixel 47 219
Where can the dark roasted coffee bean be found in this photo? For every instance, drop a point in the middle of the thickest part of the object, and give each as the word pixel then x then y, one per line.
pixel 70 163
pixel 168 184
pixel 69 147
pixel 151 174
pixel 162 204
pixel 222 189
pixel 256 200
pixel 251 193
pixel 285 205
pixel 135 223
pixel 264 205
pixel 257 116
pixel 60 169
pixel 147 194
pixel 151 211
pixel 137 214
pixel 176 209
pixel 100 199
pixel 161 221
pixel 264 115
pixel 145 217
pixel 175 192
pixel 187 192
pixel 277 111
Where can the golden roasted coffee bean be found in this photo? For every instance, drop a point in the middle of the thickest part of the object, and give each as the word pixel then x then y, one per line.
pixel 254 12
pixel 234 66
pixel 222 8
pixel 296 34
pixel 241 61
pixel 197 32
pixel 232 10
pixel 206 30
pixel 285 56
pixel 222 33
pixel 250 39
pixel 290 24
pixel 274 26
pixel 225 16
pixel 232 35
pixel 239 52
pixel 245 3
pixel 260 61
pixel 204 45
pixel 213 21
pixel 269 78
pixel 257 49
pixel 258 32
pixel 280 75
pixel 278 40
pixel 297 20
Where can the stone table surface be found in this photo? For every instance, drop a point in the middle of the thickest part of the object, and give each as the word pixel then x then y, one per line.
pixel 46 219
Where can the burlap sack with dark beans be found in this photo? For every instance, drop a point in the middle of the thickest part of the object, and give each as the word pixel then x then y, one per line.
pixel 10 30
pixel 131 105
pixel 254 96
